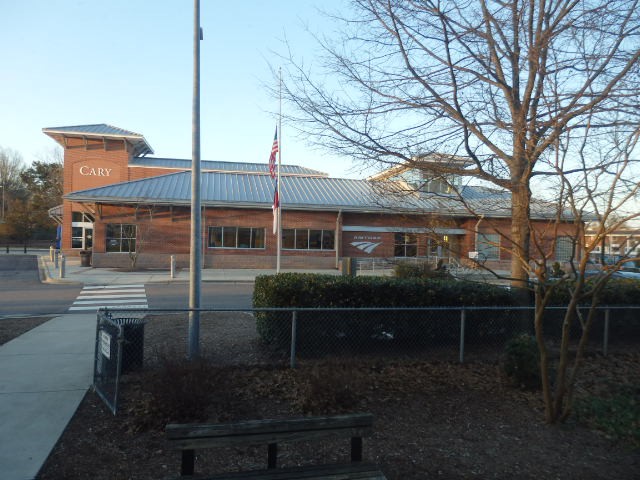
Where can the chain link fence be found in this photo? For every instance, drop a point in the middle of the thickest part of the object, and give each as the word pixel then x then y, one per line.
pixel 128 340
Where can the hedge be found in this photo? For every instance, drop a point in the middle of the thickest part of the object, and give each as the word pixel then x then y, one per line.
pixel 322 330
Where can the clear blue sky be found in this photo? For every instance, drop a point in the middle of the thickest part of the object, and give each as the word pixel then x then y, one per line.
pixel 128 63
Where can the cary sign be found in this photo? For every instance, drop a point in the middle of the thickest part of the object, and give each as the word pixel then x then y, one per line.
pixel 95 171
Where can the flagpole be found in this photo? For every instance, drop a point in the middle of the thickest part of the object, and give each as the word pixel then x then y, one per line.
pixel 195 266
pixel 279 207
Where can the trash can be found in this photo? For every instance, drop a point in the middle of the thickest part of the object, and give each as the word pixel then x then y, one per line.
pixel 132 343
pixel 85 258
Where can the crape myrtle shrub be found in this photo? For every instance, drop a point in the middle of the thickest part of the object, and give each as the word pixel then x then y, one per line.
pixel 322 331
pixel 618 292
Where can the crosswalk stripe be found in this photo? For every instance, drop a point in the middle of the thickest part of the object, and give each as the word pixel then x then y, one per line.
pixel 109 296
pixel 98 287
pixel 107 301
pixel 98 297
pixel 96 307
pixel 97 293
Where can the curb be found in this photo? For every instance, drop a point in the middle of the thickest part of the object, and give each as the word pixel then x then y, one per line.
pixel 45 274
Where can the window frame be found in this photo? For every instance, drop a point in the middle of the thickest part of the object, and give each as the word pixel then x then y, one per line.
pixel 296 240
pixel 565 248
pixel 121 238
pixel 488 246
pixel 256 234
pixel 402 241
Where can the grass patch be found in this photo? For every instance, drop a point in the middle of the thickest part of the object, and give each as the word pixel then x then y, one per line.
pixel 617 415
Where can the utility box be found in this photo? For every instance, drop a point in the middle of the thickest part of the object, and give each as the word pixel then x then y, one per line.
pixel 349 266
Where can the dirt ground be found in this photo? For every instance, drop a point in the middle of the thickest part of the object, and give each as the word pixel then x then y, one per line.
pixel 432 420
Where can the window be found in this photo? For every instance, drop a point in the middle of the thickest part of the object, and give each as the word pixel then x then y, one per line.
pixel 236 237
pixel 438 246
pixel 121 237
pixel 82 217
pixel 564 249
pixel 81 230
pixel 488 246
pixel 405 245
pixel 307 239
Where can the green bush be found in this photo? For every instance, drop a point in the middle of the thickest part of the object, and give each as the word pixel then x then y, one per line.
pixel 618 415
pixel 617 291
pixel 338 329
pixel 522 362
pixel 420 270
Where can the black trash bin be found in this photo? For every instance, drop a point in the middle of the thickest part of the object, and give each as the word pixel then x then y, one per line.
pixel 85 258
pixel 132 343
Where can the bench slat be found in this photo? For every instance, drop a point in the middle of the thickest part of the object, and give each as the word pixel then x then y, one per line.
pixel 359 471
pixel 190 437
pixel 355 420
pixel 194 436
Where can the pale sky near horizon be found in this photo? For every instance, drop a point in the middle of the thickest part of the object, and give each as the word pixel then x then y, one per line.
pixel 129 63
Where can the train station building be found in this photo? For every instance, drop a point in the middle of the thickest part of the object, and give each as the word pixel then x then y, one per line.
pixel 121 202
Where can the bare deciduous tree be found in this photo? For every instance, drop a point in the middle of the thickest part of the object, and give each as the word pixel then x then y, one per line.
pixel 11 165
pixel 500 83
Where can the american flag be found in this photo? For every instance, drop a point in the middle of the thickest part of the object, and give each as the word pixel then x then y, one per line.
pixel 272 158
pixel 276 205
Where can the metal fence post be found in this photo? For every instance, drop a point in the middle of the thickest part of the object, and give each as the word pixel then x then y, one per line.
pixel 605 336
pixel 173 266
pixel 294 333
pixel 463 317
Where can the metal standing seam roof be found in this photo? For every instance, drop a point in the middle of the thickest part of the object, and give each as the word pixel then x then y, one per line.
pixel 221 166
pixel 250 190
pixel 103 130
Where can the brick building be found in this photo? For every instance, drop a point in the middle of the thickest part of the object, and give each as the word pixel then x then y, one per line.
pixel 119 202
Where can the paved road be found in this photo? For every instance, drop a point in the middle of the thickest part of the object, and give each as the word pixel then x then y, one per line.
pixel 21 292
pixel 213 295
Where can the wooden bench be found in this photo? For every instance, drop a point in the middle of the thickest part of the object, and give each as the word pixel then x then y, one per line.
pixel 190 437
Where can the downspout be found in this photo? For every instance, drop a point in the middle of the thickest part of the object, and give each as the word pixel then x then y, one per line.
pixel 477 235
pixel 338 238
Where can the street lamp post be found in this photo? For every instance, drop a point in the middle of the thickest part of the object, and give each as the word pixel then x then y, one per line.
pixel 2 186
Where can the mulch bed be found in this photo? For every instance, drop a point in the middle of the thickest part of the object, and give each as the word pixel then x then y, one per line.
pixel 11 328
pixel 432 420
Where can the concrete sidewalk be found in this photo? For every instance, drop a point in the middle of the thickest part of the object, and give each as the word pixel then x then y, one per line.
pixel 74 273
pixel 44 375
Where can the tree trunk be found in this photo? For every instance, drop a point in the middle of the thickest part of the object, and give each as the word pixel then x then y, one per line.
pixel 520 235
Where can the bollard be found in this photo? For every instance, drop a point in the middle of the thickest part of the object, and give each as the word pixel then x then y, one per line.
pixel 173 266
pixel 463 319
pixel 25 249
pixel 62 264
pixel 51 253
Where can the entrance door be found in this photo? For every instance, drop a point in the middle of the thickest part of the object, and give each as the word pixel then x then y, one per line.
pixel 82 231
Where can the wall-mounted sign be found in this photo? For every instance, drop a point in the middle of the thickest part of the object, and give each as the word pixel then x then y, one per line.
pixel 105 344
pixel 366 243
pixel 95 172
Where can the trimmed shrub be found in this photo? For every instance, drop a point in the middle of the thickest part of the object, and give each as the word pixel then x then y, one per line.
pixel 420 270
pixel 320 330
pixel 522 362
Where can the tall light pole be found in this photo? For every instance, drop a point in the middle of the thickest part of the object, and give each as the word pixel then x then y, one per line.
pixel 195 263
pixel 2 186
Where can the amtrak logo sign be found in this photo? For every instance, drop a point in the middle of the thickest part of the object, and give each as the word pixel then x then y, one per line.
pixel 366 244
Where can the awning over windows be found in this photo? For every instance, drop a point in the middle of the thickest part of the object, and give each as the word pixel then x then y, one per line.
pixel 56 214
